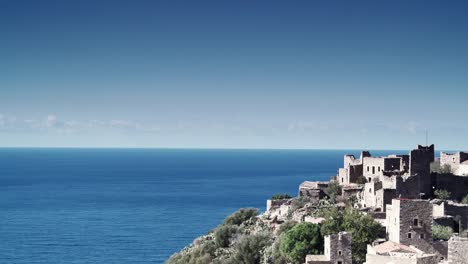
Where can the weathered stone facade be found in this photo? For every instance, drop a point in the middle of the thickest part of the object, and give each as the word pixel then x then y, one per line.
pixel 458 250
pixel 278 208
pixel 420 166
pixel 454 161
pixel 409 222
pixel 314 190
pixel 337 250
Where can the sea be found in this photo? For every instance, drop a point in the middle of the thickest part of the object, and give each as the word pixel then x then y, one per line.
pixel 63 205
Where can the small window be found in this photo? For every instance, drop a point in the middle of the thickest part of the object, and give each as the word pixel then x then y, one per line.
pixel 370 190
pixel 421 236
pixel 370 179
pixel 342 179
pixel 415 222
pixel 373 169
pixel 339 262
pixel 339 252
pixel 409 235
pixel 379 168
pixel 367 168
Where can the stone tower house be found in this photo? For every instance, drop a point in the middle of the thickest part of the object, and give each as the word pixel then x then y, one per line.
pixel 409 222
pixel 337 250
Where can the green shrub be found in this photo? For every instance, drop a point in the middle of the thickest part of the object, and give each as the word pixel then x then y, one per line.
pixel 333 190
pixel 285 227
pixel 441 232
pixel 223 235
pixel 241 216
pixel 250 249
pixel 199 255
pixel 302 239
pixel 442 194
pixel 281 196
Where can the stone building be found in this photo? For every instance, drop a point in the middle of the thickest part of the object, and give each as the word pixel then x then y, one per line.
pixel 395 253
pixel 409 222
pixel 387 177
pixel 337 250
pixel 315 190
pixel 449 213
pixel 457 162
pixel 352 168
pixel 278 209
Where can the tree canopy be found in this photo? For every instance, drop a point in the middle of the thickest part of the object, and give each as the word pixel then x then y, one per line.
pixel 302 239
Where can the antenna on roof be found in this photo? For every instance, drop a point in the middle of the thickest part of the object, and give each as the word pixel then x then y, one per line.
pixel 427 141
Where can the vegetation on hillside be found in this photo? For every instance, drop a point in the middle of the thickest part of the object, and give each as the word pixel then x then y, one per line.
pixel 246 238
pixel 301 240
pixel 363 229
pixel 333 191
pixel 280 196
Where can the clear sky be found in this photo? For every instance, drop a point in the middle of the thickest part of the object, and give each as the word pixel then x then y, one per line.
pixel 234 74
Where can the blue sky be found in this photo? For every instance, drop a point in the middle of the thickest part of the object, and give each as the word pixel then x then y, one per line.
pixel 234 74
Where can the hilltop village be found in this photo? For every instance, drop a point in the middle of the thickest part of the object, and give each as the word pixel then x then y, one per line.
pixel 400 192
pixel 409 209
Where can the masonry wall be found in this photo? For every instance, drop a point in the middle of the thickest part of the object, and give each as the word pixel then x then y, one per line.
pixel 457 210
pixel 421 234
pixel 450 159
pixel 420 161
pixel 373 167
pixel 441 249
pixel 457 250
pixel 392 164
pixel 462 170
pixel 456 185
pixel 339 243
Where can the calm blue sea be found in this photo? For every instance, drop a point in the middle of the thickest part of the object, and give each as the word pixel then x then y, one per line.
pixel 135 205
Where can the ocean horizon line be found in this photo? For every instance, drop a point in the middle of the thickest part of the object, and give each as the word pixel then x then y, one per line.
pixel 207 148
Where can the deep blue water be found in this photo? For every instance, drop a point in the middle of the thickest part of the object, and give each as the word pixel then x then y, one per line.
pixel 135 205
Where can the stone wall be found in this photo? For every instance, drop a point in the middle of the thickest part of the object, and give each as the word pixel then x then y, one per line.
pixel 420 161
pixel 452 209
pixel 392 164
pixel 411 233
pixel 453 159
pixel 441 249
pixel 373 167
pixel 457 250
pixel 338 248
pixel 456 185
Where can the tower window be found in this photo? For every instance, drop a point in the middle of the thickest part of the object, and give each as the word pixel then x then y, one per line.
pixel 409 235
pixel 415 222
pixel 339 252
pixel 421 236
